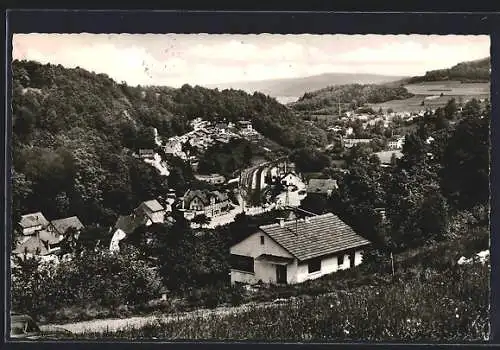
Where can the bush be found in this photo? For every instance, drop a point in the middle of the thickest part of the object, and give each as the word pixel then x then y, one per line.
pixel 93 281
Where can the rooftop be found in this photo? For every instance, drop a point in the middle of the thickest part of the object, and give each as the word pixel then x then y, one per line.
pixel 319 235
pixel 62 225
pixel 34 219
pixel 153 205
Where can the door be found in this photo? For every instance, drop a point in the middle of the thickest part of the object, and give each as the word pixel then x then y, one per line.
pixel 281 274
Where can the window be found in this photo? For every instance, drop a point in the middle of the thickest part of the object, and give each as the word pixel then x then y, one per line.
pixel 314 265
pixel 262 240
pixel 340 260
pixel 242 263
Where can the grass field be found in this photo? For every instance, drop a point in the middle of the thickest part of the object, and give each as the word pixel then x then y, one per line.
pixel 444 306
pixel 449 88
pixel 414 104
pixel 430 93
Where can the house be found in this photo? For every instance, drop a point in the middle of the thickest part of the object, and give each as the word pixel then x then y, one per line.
pixel 61 226
pixel 348 143
pixel 296 251
pixel 246 125
pixel 152 210
pixel 221 127
pixel 32 245
pixel 293 180
pixel 124 226
pixel 322 186
pixel 147 154
pixel 47 240
pixel 210 203
pixel 396 144
pixel 214 179
pixel 30 223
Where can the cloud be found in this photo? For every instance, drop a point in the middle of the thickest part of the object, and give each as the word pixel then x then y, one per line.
pixel 206 59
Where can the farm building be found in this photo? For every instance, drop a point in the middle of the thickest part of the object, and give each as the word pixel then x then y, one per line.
pixel 296 251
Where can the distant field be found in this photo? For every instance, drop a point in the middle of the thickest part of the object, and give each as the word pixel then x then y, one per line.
pixel 449 88
pixel 414 104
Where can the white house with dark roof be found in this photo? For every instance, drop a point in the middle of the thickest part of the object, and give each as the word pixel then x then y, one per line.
pixel 296 251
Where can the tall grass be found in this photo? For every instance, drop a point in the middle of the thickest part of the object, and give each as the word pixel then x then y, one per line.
pixel 448 305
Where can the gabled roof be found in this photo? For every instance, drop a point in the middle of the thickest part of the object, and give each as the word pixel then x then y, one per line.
pixel 61 225
pixel 153 205
pixel 129 223
pixel 321 185
pixel 205 196
pixel 31 246
pixel 34 219
pixel 321 235
pixel 50 237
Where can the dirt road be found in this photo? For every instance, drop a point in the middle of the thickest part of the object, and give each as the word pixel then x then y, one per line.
pixel 116 324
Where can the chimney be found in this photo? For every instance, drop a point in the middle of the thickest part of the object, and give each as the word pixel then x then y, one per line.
pixel 282 222
pixel 306 219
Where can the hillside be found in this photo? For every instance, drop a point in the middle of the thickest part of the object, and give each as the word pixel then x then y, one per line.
pixel 295 87
pixel 471 71
pixel 355 95
pixel 74 133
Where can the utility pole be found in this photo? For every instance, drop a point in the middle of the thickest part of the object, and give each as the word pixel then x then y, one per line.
pixel 392 264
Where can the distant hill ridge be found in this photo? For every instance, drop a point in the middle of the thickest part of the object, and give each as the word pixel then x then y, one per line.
pixel 295 87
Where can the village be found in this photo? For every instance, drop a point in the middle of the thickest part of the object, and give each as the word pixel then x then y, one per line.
pixel 147 209
pixel 281 185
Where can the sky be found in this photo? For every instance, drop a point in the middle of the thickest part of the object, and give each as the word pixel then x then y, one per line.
pixel 201 59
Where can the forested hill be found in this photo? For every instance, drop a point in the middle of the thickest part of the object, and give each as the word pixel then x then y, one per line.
pixel 354 94
pixel 471 71
pixel 59 99
pixel 73 131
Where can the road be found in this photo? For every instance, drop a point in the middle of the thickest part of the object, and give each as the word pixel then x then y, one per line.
pixel 116 324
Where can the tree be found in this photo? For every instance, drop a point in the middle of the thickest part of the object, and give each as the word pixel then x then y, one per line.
pixel 451 109
pixel 201 220
pixel 465 174
pixel 471 109
pixel 145 138
pixel 247 154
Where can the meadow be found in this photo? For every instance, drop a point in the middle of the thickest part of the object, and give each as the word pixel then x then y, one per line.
pixel 430 93
pixel 445 306
pixel 449 88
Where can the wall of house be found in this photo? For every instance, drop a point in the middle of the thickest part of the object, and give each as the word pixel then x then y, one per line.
pixel 328 265
pixel 243 277
pixel 263 271
pixel 358 257
pixel 158 216
pixel 31 230
pixel 251 246
pixel 196 204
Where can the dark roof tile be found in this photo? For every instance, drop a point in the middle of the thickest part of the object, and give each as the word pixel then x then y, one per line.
pixel 319 235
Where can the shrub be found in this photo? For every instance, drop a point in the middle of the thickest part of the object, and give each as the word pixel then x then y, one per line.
pixel 91 281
